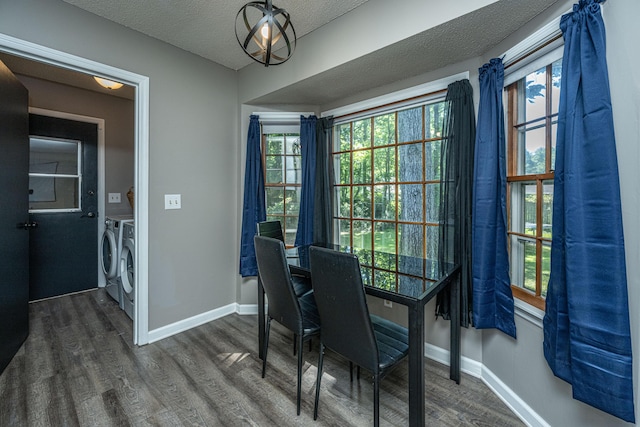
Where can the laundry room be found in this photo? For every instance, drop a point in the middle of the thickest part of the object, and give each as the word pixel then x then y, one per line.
pixel 75 96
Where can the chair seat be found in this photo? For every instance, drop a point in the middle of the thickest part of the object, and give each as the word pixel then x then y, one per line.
pixel 393 341
pixel 301 285
pixel 310 316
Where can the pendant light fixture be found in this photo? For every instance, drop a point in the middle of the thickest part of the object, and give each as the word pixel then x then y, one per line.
pixel 265 32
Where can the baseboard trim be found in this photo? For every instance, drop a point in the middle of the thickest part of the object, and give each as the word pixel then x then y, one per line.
pixel 192 322
pixel 474 368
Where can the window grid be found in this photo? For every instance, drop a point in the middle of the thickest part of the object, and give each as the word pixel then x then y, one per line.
pixel 370 229
pixel 535 186
pixel 282 163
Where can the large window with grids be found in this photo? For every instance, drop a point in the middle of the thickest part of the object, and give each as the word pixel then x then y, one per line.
pixel 283 179
pixel 532 111
pixel 387 184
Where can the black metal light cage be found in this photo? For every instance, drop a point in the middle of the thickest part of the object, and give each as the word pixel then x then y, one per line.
pixel 280 37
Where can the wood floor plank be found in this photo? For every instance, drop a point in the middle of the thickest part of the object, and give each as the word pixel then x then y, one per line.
pixel 79 367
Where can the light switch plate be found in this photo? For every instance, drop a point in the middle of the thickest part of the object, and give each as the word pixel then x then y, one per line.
pixel 172 201
pixel 114 197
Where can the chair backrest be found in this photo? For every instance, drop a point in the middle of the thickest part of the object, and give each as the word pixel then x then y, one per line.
pixel 270 229
pixel 276 279
pixel 342 305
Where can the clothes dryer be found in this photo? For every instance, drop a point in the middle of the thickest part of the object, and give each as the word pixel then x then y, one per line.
pixel 111 245
pixel 126 267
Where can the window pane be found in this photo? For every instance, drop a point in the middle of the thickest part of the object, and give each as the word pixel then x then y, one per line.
pixel 410 202
pixel 384 132
pixel 385 280
pixel 274 169
pixel 534 145
pixel 433 120
pixel 410 125
pixel 293 144
pixel 275 200
pixel 432 202
pixel 294 169
pixel 50 156
pixel 385 164
pixel 290 229
pixel 411 240
pixel 556 77
pixel 536 91
pixel 432 160
pixel 362 134
pixel 432 237
pixel 343 201
pixel 344 232
pixel 342 168
pixel 410 163
pixel 547 208
pixel 554 132
pixel 385 242
pixel 275 144
pixel 292 200
pixel 384 204
pixel 344 137
pixel 546 267
pixel 361 201
pixel 50 192
pixel 362 235
pixel 523 208
pixel 361 167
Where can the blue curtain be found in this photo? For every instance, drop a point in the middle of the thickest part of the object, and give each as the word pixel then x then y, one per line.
pixel 492 297
pixel 586 326
pixel 253 207
pixel 304 235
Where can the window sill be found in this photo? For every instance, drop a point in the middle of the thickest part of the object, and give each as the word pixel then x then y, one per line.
pixel 528 312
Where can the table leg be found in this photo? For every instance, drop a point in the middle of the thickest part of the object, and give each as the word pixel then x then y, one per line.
pixel 261 319
pixel 416 365
pixel 454 353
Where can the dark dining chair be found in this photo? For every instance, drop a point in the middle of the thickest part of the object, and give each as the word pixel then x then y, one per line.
pixel 298 314
pixel 348 329
pixel 300 277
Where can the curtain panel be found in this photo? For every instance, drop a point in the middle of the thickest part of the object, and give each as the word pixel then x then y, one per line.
pixel 492 297
pixel 456 195
pixel 323 202
pixel 253 205
pixel 304 234
pixel 586 326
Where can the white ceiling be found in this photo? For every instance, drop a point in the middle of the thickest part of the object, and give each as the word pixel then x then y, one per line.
pixel 207 27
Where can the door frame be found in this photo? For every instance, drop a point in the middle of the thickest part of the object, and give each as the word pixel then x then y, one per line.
pixel 101 171
pixel 60 59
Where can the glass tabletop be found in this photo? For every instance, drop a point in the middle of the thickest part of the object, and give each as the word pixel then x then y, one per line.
pixel 404 275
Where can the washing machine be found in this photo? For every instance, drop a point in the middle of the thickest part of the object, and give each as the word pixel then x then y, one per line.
pixel 111 246
pixel 126 267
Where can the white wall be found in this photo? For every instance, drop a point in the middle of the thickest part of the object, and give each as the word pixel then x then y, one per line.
pixel 192 150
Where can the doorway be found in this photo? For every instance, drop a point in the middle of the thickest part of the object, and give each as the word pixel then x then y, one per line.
pixel 63 60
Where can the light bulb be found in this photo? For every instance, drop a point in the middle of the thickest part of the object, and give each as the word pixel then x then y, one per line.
pixel 265 31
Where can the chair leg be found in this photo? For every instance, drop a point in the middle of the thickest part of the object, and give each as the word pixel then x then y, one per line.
pixel 376 400
pixel 300 345
pixel 266 345
pixel 318 378
pixel 350 371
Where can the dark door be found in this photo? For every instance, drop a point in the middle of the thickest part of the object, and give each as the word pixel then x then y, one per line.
pixel 63 202
pixel 14 234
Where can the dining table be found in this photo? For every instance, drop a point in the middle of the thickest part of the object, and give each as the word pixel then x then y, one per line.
pixel 406 280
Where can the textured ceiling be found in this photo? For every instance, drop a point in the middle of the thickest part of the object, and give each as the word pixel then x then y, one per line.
pixel 207 27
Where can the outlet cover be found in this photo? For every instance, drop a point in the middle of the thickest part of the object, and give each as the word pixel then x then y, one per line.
pixel 388 303
pixel 114 197
pixel 172 201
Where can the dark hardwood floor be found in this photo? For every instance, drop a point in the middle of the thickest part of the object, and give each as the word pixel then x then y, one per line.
pixel 79 368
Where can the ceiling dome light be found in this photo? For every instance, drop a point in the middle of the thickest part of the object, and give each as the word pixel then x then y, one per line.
pixel 262 30
pixel 109 84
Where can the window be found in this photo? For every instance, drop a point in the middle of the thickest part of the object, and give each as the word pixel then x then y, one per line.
pixel 54 175
pixel 283 178
pixel 387 186
pixel 532 112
